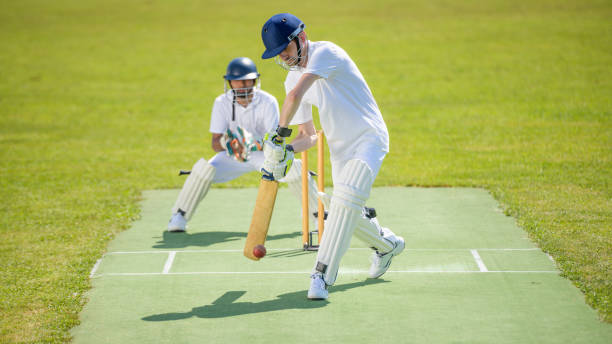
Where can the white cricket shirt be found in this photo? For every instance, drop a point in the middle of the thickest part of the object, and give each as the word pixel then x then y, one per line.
pixel 258 118
pixel 348 112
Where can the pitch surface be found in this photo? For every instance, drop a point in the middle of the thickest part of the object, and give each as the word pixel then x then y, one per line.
pixel 468 275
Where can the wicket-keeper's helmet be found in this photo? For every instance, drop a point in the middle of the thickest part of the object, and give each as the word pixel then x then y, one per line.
pixel 241 68
pixel 278 31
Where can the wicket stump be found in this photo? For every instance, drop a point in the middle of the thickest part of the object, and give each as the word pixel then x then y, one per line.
pixel 307 235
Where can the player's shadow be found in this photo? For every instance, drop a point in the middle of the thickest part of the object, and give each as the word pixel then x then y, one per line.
pixel 203 239
pixel 226 305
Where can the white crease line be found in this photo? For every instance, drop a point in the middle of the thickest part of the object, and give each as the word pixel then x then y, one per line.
pixel 169 262
pixel 299 249
pixel 95 268
pixel 474 271
pixel 481 265
pixel 199 251
pixel 208 273
pixel 354 272
pixel 508 249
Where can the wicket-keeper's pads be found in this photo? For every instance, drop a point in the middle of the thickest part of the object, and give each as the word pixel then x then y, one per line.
pixel 195 188
pixel 370 232
pixel 325 198
pixel 351 190
pixel 294 182
pixel 278 156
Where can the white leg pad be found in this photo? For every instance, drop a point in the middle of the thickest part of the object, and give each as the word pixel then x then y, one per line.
pixel 294 182
pixel 351 191
pixel 370 232
pixel 195 188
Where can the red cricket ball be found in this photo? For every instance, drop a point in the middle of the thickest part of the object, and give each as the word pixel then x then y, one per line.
pixel 259 251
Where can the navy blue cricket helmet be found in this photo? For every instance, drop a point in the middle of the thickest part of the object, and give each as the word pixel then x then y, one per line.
pixel 278 32
pixel 241 68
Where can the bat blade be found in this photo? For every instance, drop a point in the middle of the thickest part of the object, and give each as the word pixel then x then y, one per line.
pixel 262 214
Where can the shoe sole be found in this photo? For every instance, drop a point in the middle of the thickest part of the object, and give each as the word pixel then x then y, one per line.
pixel 177 230
pixel 317 298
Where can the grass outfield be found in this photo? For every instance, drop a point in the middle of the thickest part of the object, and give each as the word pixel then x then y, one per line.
pixel 100 100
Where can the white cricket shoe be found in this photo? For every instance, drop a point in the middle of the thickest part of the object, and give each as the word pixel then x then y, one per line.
pixel 381 261
pixel 177 223
pixel 318 288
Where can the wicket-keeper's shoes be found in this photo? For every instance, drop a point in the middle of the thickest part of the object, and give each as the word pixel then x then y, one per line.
pixel 177 223
pixel 318 288
pixel 381 261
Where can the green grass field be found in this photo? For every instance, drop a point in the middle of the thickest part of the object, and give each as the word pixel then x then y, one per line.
pixel 100 100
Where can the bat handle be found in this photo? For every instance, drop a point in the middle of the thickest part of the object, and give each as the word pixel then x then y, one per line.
pixel 182 172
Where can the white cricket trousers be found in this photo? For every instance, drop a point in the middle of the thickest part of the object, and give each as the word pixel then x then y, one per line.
pixel 229 169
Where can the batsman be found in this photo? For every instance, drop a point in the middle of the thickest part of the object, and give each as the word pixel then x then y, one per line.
pixel 241 116
pixel 322 74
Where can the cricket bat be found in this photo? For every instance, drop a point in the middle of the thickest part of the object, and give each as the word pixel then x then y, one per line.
pixel 262 214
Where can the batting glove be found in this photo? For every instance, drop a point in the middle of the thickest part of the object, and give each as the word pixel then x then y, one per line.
pixel 278 156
